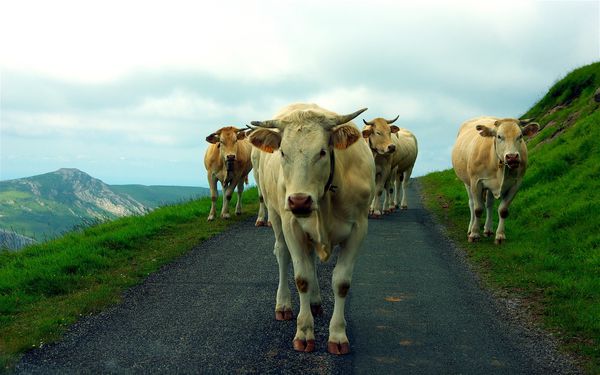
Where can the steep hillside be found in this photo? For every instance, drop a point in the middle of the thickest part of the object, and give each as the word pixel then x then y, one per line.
pixel 551 261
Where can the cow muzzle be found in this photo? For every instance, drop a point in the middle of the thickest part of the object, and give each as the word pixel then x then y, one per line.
pixel 512 160
pixel 300 204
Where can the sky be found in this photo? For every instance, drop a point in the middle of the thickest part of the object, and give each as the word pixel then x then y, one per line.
pixel 127 91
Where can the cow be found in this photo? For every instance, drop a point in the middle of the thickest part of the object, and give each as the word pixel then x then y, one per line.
pixel 490 157
pixel 402 163
pixel 378 135
pixel 261 220
pixel 317 182
pixel 227 160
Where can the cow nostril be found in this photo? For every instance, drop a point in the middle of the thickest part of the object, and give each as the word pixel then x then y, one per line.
pixel 230 157
pixel 392 148
pixel 300 203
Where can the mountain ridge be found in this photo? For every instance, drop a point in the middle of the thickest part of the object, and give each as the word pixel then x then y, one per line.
pixel 49 204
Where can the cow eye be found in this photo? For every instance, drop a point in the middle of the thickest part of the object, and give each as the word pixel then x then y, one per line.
pixel 323 152
pixel 378 132
pixel 499 137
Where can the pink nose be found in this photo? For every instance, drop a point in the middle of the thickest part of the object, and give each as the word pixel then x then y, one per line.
pixel 300 204
pixel 512 159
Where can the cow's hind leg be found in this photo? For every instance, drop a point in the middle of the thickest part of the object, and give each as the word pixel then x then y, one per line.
pixel 283 302
pixel 405 180
pixel 470 208
pixel 342 278
pixel 489 207
pixel 476 191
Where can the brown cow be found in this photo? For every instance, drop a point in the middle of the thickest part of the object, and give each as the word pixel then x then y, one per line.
pixel 490 157
pixel 227 160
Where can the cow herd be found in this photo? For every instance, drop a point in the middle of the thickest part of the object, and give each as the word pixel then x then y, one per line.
pixel 319 178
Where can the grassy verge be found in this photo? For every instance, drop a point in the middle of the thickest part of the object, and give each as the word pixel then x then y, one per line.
pixel 552 255
pixel 46 287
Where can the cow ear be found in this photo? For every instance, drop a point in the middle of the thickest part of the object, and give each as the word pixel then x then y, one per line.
pixel 241 135
pixel 367 131
pixel 484 131
pixel 266 140
pixel 394 129
pixel 530 129
pixel 213 138
pixel 344 136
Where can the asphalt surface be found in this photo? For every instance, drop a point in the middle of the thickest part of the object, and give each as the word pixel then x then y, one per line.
pixel 414 308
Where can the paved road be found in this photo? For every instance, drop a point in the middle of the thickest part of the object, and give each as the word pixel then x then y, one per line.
pixel 413 308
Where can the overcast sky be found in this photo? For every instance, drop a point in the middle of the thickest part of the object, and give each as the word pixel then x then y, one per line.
pixel 127 91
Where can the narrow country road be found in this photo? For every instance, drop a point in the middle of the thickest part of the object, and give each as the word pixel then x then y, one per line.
pixel 414 308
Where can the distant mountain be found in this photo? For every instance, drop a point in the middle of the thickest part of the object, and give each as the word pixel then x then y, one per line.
pixel 50 204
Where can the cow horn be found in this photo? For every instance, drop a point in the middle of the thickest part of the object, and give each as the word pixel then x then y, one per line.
pixel 267 124
pixel 368 122
pixel 525 121
pixel 392 121
pixel 339 120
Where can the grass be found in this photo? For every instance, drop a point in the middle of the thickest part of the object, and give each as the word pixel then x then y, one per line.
pixel 552 255
pixel 46 287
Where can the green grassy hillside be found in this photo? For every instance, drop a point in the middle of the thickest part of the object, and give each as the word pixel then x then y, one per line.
pixel 552 255
pixel 46 287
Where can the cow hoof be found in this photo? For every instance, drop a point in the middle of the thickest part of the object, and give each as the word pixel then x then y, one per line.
pixel 338 349
pixel 488 233
pixel 284 315
pixel 316 310
pixel 260 223
pixel 306 346
pixel 499 241
pixel 473 239
pixel 404 207
pixel 269 224
pixel 210 218
pixel 225 216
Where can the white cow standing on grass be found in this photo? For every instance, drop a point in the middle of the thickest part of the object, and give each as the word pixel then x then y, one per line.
pixel 317 182
pixel 490 157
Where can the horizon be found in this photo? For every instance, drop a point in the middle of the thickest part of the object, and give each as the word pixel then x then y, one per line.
pixel 132 104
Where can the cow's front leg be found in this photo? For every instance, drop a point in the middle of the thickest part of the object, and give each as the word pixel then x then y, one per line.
pixel 489 207
pixel 505 202
pixel 315 296
pixel 342 278
pixel 227 193
pixel 283 303
pixel 240 191
pixel 212 183
pixel 304 340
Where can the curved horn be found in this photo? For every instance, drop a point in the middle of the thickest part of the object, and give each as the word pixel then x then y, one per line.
pixel 342 119
pixel 368 122
pixel 267 124
pixel 525 121
pixel 392 121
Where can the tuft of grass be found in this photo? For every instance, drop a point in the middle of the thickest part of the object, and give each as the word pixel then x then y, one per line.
pixel 552 255
pixel 46 287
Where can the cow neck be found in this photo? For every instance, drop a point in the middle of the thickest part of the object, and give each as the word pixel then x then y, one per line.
pixel 329 185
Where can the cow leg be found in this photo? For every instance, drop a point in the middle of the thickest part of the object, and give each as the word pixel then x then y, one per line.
pixel 304 340
pixel 505 202
pixel 405 180
pixel 227 193
pixel 477 198
pixel 470 209
pixel 214 193
pixel 489 207
pixel 260 220
pixel 240 191
pixel 315 296
pixel 397 184
pixel 283 303
pixel 342 278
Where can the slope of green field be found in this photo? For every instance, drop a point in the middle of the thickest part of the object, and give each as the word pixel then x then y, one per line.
pixel 46 287
pixel 552 255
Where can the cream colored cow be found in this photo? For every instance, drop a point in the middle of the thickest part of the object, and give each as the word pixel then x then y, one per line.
pixel 317 182
pixel 402 163
pixel 378 135
pixel 227 160
pixel 490 157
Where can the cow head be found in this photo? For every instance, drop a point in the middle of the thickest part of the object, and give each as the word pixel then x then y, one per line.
pixel 226 140
pixel 305 141
pixel 378 133
pixel 508 138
